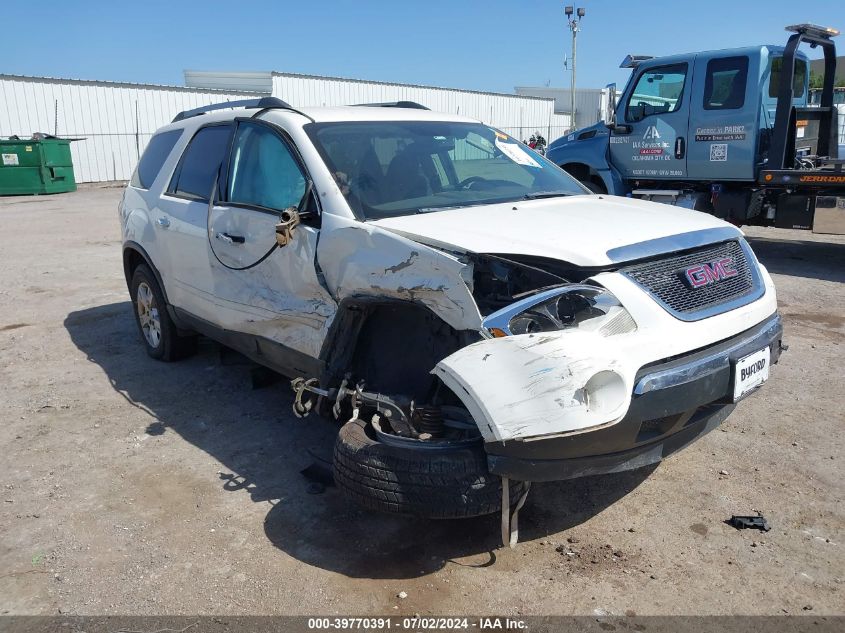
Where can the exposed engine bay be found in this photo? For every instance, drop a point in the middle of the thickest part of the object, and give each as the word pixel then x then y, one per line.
pixel 499 281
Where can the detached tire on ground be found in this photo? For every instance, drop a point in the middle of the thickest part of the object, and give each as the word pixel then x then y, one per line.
pixel 435 483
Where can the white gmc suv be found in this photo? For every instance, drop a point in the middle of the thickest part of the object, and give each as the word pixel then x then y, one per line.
pixel 471 313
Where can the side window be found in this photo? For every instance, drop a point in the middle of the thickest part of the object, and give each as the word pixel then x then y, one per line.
pixel 158 149
pixel 263 172
pixel 724 83
pixel 201 161
pixel 798 80
pixel 658 90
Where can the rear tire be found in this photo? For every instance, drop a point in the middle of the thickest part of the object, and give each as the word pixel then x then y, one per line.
pixel 434 483
pixel 158 332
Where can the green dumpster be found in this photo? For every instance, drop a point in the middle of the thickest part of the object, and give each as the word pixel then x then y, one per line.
pixel 36 166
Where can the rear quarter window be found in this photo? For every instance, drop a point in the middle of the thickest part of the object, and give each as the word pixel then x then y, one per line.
pixel 797 81
pixel 158 149
pixel 724 83
pixel 201 162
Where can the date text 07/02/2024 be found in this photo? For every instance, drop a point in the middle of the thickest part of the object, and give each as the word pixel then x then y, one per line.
pixel 415 623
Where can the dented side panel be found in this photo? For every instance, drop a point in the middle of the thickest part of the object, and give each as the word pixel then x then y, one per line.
pixel 359 259
pixel 281 299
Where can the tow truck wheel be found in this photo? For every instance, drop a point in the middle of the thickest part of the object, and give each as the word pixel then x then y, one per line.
pixel 594 187
pixel 448 481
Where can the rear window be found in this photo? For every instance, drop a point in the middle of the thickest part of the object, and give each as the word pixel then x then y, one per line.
pixel 201 161
pixel 724 83
pixel 158 149
pixel 797 82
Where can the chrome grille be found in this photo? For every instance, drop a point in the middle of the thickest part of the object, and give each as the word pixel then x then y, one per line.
pixel 664 279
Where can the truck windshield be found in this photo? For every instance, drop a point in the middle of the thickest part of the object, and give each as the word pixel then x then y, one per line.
pixel 392 168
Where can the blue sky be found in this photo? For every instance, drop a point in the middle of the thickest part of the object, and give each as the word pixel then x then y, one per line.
pixel 483 45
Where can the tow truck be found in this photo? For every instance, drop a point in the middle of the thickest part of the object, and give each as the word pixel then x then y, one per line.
pixel 728 132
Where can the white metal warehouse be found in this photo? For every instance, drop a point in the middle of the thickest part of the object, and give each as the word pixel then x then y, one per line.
pixel 518 115
pixel 114 121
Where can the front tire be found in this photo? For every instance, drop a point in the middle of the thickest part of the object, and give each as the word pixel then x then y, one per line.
pixel 158 332
pixel 434 483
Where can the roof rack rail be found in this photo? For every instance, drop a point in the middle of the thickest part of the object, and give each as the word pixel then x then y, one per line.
pixel 394 104
pixel 263 103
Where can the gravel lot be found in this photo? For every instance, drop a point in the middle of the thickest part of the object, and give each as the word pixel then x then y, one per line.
pixel 136 487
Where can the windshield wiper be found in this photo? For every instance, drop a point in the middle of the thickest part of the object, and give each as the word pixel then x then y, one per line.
pixel 537 195
pixel 477 203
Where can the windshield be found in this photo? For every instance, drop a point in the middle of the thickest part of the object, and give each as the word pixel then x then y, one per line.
pixel 391 168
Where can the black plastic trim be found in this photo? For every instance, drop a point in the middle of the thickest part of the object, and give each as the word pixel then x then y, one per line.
pixel 280 358
pixel 134 246
pixel 528 469
pixel 263 103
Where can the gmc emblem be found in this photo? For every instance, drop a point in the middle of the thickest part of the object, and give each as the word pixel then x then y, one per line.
pixel 705 274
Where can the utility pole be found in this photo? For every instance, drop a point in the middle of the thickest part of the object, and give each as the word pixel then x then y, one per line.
pixel 574 25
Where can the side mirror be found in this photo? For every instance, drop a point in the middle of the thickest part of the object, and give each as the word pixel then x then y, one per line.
pixel 288 221
pixel 291 217
pixel 610 106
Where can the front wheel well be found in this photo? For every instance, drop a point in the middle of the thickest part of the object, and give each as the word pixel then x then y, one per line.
pixel 390 345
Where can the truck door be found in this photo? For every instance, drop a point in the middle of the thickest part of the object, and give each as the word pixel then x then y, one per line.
pixel 651 143
pixel 723 119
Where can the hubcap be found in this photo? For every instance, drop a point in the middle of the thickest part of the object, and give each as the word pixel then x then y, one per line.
pixel 148 314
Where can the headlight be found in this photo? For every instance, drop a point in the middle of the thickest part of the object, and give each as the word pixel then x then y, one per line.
pixel 588 308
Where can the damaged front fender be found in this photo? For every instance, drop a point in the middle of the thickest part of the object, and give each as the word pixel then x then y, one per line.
pixel 359 259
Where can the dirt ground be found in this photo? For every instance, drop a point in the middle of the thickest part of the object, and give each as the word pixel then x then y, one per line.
pixel 130 486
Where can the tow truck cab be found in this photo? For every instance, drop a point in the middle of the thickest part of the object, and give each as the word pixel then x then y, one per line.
pixel 729 132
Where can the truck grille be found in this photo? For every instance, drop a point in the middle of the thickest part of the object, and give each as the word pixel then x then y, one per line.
pixel 665 280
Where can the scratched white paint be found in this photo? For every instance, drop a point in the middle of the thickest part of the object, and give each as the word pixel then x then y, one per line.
pixel 531 386
pixel 360 259
pixel 534 384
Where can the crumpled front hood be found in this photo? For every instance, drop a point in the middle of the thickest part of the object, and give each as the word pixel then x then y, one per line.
pixel 577 229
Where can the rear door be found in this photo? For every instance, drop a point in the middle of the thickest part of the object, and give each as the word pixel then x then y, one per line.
pixel 723 119
pixel 185 213
pixel 656 109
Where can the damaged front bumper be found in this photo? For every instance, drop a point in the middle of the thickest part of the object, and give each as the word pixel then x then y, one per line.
pixel 673 403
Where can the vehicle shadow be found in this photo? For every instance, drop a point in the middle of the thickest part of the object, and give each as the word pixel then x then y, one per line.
pixel 254 434
pixel 801 258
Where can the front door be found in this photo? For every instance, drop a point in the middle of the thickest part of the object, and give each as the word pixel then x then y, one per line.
pixel 656 112
pixel 270 293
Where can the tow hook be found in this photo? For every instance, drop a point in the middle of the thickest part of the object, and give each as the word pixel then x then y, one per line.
pixel 307 392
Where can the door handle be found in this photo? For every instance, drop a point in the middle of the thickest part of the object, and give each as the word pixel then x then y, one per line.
pixel 163 222
pixel 231 239
pixel 680 147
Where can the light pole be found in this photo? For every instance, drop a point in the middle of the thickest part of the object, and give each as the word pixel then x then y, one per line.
pixel 574 24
